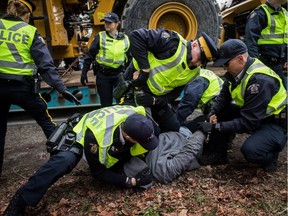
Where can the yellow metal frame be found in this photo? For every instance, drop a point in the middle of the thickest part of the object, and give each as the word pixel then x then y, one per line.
pixel 61 46
pixel 229 14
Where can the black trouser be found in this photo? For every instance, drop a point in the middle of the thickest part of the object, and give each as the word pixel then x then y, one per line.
pixel 105 85
pixel 59 164
pixel 218 142
pixel 12 92
pixel 165 117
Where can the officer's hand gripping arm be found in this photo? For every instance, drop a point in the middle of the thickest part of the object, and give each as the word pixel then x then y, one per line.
pixel 141 80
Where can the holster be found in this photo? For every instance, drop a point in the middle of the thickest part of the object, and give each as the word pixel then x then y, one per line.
pixel 68 143
pixel 121 88
pixel 63 137
pixel 56 136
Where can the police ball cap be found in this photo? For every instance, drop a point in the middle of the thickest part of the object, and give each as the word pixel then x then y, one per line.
pixel 110 17
pixel 141 129
pixel 228 50
pixel 29 4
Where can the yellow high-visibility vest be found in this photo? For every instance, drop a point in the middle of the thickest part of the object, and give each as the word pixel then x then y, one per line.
pixel 112 52
pixel 214 88
pixel 278 101
pixel 167 74
pixel 276 31
pixel 16 38
pixel 102 123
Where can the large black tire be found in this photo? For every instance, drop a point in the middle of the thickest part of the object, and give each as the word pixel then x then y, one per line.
pixel 136 14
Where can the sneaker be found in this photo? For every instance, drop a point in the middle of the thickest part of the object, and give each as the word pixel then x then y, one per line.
pixel 213 159
pixel 16 206
pixel 270 168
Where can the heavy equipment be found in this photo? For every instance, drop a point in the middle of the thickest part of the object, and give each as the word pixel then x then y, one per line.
pixel 69 26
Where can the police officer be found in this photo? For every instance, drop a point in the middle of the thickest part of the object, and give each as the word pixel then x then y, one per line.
pixel 23 54
pixel 259 97
pixel 266 35
pixel 110 50
pixel 109 136
pixel 198 93
pixel 163 63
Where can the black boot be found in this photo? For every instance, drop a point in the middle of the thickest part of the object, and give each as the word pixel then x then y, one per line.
pixel 271 167
pixel 16 206
pixel 214 158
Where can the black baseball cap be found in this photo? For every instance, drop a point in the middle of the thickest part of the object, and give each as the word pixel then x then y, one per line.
pixel 141 129
pixel 110 17
pixel 29 4
pixel 209 50
pixel 228 50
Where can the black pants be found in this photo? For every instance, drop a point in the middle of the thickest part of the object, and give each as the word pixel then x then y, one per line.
pixel 12 93
pixel 105 85
pixel 59 164
pixel 165 117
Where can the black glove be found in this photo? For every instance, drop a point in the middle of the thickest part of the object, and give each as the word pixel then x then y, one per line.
pixel 144 177
pixel 141 80
pixel 144 99
pixel 84 78
pixel 206 127
pixel 70 97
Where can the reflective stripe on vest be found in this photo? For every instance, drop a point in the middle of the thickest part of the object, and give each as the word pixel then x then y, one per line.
pixel 16 38
pixel 167 74
pixel 102 123
pixel 112 52
pixel 277 27
pixel 215 85
pixel 278 101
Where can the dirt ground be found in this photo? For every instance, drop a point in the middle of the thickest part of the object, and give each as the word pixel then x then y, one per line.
pixel 238 188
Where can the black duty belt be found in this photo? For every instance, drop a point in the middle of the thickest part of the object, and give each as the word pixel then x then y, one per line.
pixel 109 71
pixel 271 60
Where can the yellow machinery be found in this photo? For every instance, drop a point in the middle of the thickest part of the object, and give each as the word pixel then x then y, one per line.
pixel 69 26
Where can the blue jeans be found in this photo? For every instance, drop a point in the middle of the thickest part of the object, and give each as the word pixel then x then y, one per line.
pixel 58 165
pixel 263 146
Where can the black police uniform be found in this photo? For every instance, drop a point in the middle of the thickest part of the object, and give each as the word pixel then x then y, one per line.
pixel 163 44
pixel 267 136
pixel 106 77
pixel 19 90
pixel 272 55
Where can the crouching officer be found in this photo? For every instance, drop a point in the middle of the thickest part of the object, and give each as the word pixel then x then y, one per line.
pixel 23 52
pixel 252 100
pixel 109 136
pixel 164 62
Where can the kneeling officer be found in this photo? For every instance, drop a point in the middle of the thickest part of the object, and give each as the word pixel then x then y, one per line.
pixel 109 136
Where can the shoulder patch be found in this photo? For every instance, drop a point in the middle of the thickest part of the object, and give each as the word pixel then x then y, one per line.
pixel 254 88
pixel 165 35
pixel 252 15
pixel 41 38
